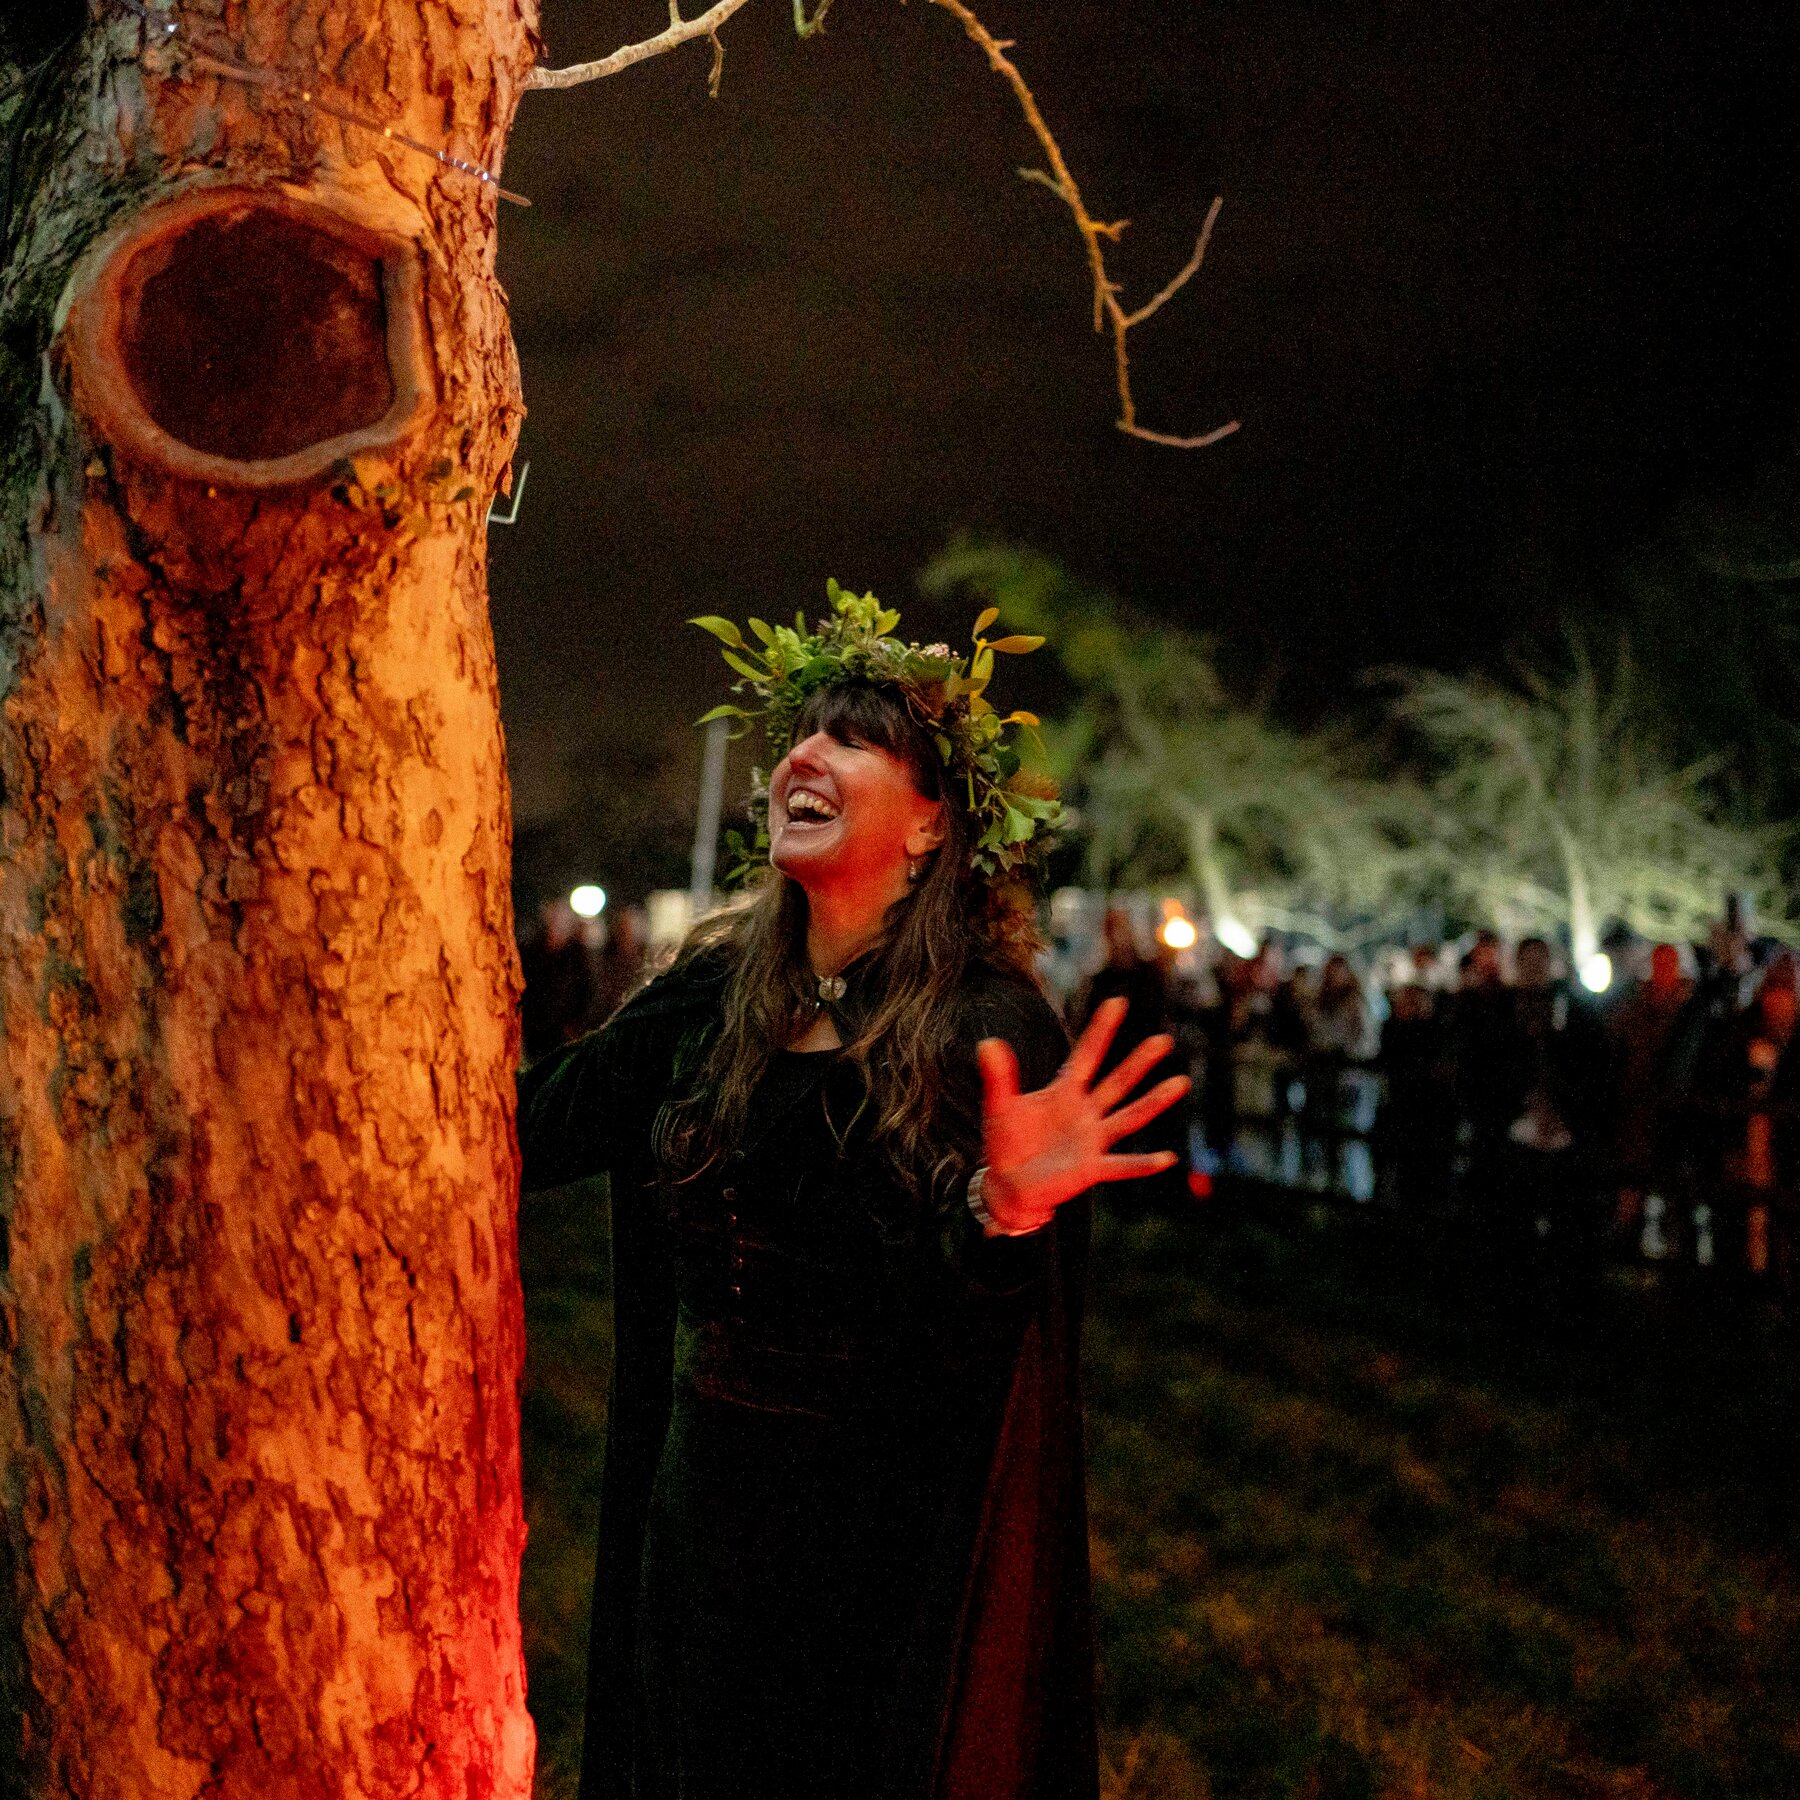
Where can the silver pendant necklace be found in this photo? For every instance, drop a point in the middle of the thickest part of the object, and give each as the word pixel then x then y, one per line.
pixel 832 987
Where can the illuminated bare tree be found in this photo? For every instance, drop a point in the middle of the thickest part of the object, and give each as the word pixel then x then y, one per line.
pixel 1557 810
pixel 1176 781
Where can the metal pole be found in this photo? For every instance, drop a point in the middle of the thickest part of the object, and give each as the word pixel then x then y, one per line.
pixel 706 825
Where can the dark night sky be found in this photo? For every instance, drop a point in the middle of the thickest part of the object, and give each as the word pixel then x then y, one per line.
pixel 1496 284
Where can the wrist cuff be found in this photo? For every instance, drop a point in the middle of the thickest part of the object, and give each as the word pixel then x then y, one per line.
pixel 990 1226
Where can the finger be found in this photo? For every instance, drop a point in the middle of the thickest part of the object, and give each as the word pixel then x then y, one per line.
pixel 1090 1047
pixel 1144 1108
pixel 1113 1088
pixel 1129 1168
pixel 999 1072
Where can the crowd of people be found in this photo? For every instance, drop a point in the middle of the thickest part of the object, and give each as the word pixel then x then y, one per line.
pixel 1658 1120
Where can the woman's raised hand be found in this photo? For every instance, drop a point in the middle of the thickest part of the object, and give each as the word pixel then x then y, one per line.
pixel 1046 1147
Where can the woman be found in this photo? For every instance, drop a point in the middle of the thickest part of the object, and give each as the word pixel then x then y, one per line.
pixel 843 1539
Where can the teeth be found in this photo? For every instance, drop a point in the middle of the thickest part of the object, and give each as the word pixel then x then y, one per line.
pixel 803 804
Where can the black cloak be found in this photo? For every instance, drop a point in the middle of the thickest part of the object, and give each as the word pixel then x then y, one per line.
pixel 966 1349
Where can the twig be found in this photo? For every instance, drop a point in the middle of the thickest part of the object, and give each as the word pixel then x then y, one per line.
pixel 1189 269
pixel 680 31
pixel 805 27
pixel 1095 234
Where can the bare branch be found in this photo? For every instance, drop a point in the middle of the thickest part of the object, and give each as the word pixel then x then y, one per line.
pixel 1180 443
pixel 680 31
pixel 1095 233
pixel 1190 269
pixel 805 27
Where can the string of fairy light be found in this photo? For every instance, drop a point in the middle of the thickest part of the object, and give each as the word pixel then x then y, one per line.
pixel 177 36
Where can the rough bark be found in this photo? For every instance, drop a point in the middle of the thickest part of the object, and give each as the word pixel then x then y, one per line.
pixel 260 1328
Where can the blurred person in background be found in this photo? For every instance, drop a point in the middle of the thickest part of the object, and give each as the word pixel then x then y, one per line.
pixel 1653 1033
pixel 623 959
pixel 1218 1085
pixel 1749 1099
pixel 1416 1126
pixel 1479 1023
pixel 1554 1082
pixel 1142 983
pixel 558 958
pixel 1339 1040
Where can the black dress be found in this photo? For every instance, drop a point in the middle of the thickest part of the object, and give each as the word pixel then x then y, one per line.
pixel 843 1541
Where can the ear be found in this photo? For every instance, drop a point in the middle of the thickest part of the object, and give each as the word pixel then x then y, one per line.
pixel 928 831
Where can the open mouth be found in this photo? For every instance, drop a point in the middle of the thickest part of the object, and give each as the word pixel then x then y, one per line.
pixel 804 807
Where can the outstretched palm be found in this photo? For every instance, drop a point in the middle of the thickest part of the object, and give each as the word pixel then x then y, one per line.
pixel 1047 1146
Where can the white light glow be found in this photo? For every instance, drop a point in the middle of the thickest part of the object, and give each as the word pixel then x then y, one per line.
pixel 587 901
pixel 1178 933
pixel 1236 936
pixel 1597 973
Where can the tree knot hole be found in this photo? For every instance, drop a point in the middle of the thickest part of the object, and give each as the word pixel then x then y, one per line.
pixel 243 337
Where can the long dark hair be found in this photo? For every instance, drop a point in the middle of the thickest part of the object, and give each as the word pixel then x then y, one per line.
pixel 951 922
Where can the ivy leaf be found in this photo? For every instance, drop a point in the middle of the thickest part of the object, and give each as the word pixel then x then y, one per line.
pixel 1018 827
pixel 722 629
pixel 1016 646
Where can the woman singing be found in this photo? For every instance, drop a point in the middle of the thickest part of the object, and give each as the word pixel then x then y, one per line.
pixel 843 1538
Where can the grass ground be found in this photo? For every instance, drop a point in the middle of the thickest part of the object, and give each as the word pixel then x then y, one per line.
pixel 1357 1530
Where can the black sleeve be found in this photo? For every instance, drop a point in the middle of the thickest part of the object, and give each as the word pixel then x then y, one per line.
pixel 590 1107
pixel 1015 1010
pixel 572 1107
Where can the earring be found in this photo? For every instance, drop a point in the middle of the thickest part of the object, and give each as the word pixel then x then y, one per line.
pixel 914 869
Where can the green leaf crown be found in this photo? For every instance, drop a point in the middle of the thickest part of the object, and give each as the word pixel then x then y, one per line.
pixel 1013 809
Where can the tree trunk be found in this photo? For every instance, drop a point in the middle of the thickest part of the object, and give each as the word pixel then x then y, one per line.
pixel 1584 929
pixel 260 1325
pixel 1209 878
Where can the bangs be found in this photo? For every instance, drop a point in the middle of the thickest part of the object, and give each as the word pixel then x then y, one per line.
pixel 858 712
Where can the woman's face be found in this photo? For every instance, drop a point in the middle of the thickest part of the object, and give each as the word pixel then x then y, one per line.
pixel 848 815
